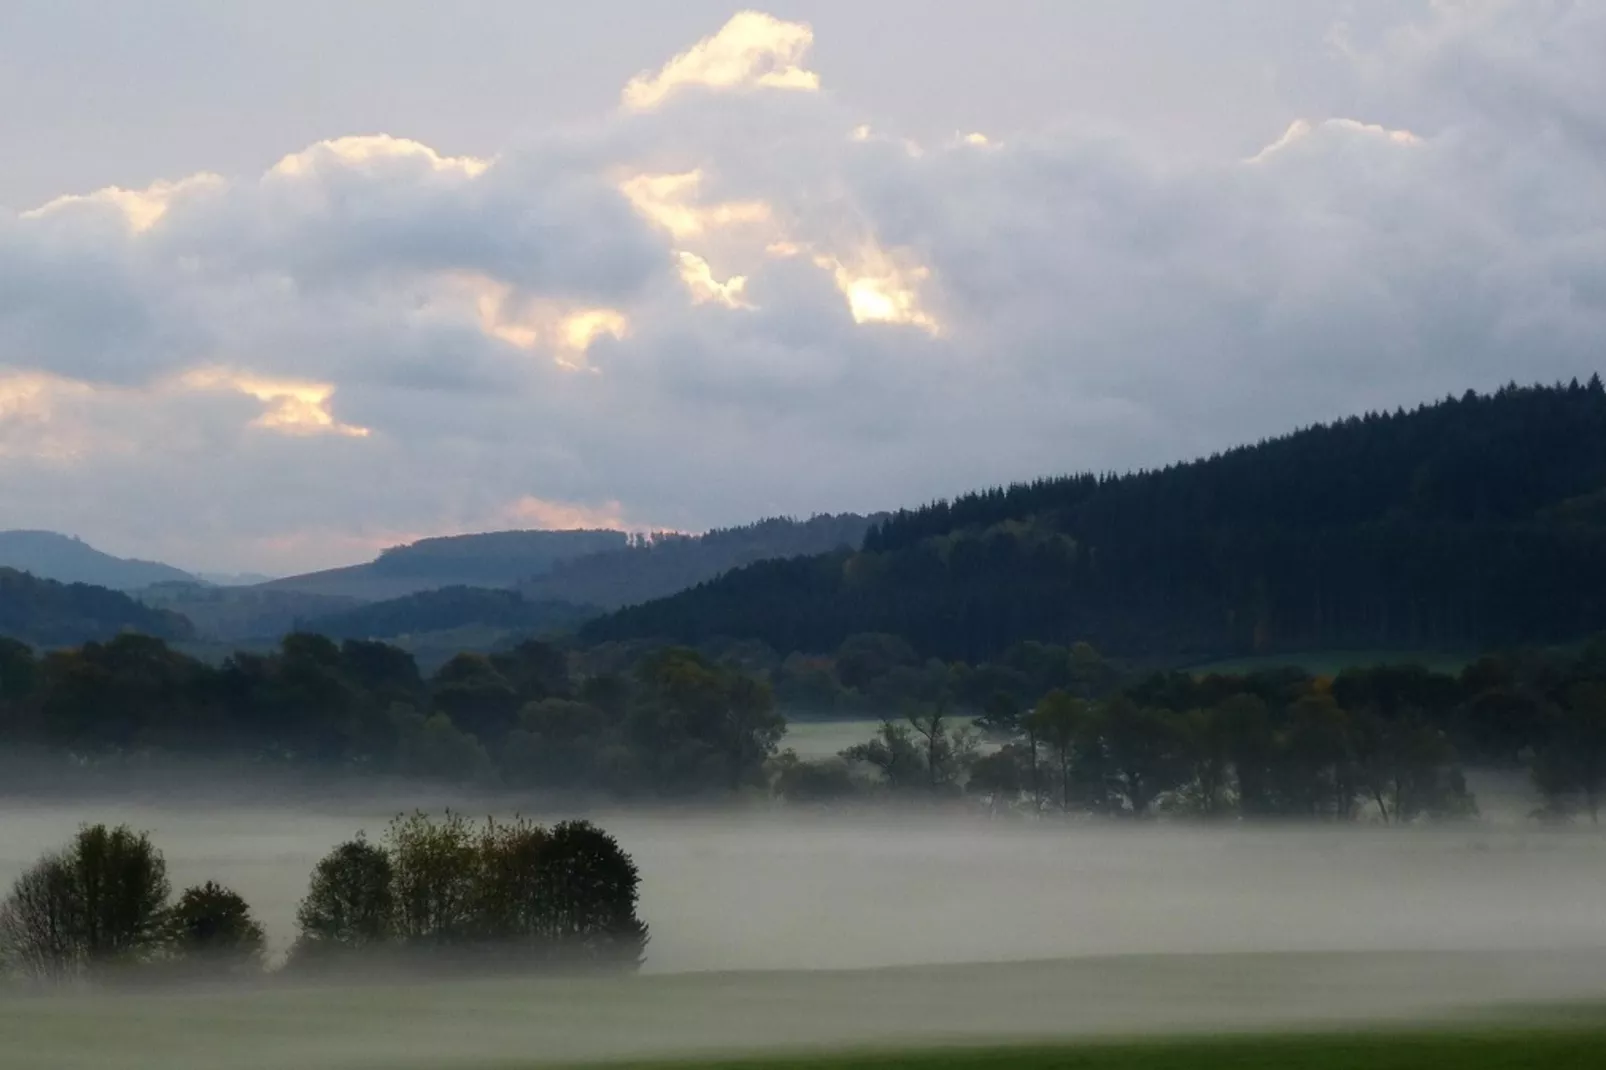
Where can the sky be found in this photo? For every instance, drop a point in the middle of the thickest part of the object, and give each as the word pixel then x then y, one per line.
pixel 283 284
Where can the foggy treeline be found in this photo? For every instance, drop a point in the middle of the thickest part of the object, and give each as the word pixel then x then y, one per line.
pixel 1043 728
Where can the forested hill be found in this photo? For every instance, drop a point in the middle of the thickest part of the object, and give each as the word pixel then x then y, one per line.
pixel 47 613
pixel 1479 520
pixel 666 563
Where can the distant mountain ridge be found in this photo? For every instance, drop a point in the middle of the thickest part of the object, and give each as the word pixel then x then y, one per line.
pixel 561 578
pixel 490 559
pixel 662 564
pixel 447 609
pixel 52 556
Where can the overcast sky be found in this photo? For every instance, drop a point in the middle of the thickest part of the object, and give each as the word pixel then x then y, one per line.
pixel 281 284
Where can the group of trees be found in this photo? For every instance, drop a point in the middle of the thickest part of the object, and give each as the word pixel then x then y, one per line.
pixel 1475 522
pixel 101 909
pixel 669 722
pixel 432 894
pixel 502 894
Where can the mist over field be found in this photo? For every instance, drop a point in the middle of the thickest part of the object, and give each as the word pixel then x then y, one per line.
pixel 768 927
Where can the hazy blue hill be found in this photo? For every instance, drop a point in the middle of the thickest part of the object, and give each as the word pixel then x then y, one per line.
pixel 47 613
pixel 1473 522
pixel 492 559
pixel 239 613
pixel 53 556
pixel 665 563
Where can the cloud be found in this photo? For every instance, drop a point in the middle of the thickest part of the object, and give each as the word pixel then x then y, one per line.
pixel 723 301
pixel 752 50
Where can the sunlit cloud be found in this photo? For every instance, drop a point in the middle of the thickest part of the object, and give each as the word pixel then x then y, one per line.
pixel 578 330
pixel 532 512
pixel 291 407
pixel 29 428
pixel 142 209
pixel 360 150
pixel 881 287
pixel 752 50
pixel 700 282
pixel 667 201
pixel 1302 130
pixel 564 330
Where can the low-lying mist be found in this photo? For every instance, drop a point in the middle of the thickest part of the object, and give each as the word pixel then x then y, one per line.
pixel 1347 922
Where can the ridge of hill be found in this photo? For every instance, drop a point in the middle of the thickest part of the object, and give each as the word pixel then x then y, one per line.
pixel 664 563
pixel 447 609
pixel 52 556
pixel 1474 521
pixel 48 613
pixel 490 559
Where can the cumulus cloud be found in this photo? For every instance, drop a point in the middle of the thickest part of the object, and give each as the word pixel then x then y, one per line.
pixel 735 296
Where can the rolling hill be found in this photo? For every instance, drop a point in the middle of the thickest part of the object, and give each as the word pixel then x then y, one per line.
pixel 448 609
pixel 53 556
pixel 46 613
pixel 665 563
pixel 1476 521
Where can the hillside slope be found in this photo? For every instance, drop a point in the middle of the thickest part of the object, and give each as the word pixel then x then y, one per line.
pixel 492 559
pixel 53 556
pixel 47 613
pixel 1475 521
pixel 447 609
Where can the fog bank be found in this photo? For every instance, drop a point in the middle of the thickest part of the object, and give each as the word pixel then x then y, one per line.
pixel 1161 927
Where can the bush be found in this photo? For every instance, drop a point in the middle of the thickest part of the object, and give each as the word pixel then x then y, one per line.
pixel 98 904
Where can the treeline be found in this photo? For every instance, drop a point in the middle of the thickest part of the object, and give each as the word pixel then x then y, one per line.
pixel 1041 727
pixel 1387 743
pixel 665 723
pixel 1475 522
pixel 432 894
pixel 48 613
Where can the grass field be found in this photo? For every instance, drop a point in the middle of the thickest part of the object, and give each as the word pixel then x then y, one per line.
pixel 1562 1048
pixel 1124 1013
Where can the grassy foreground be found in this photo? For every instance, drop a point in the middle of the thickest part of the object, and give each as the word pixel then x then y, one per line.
pixel 1559 1048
